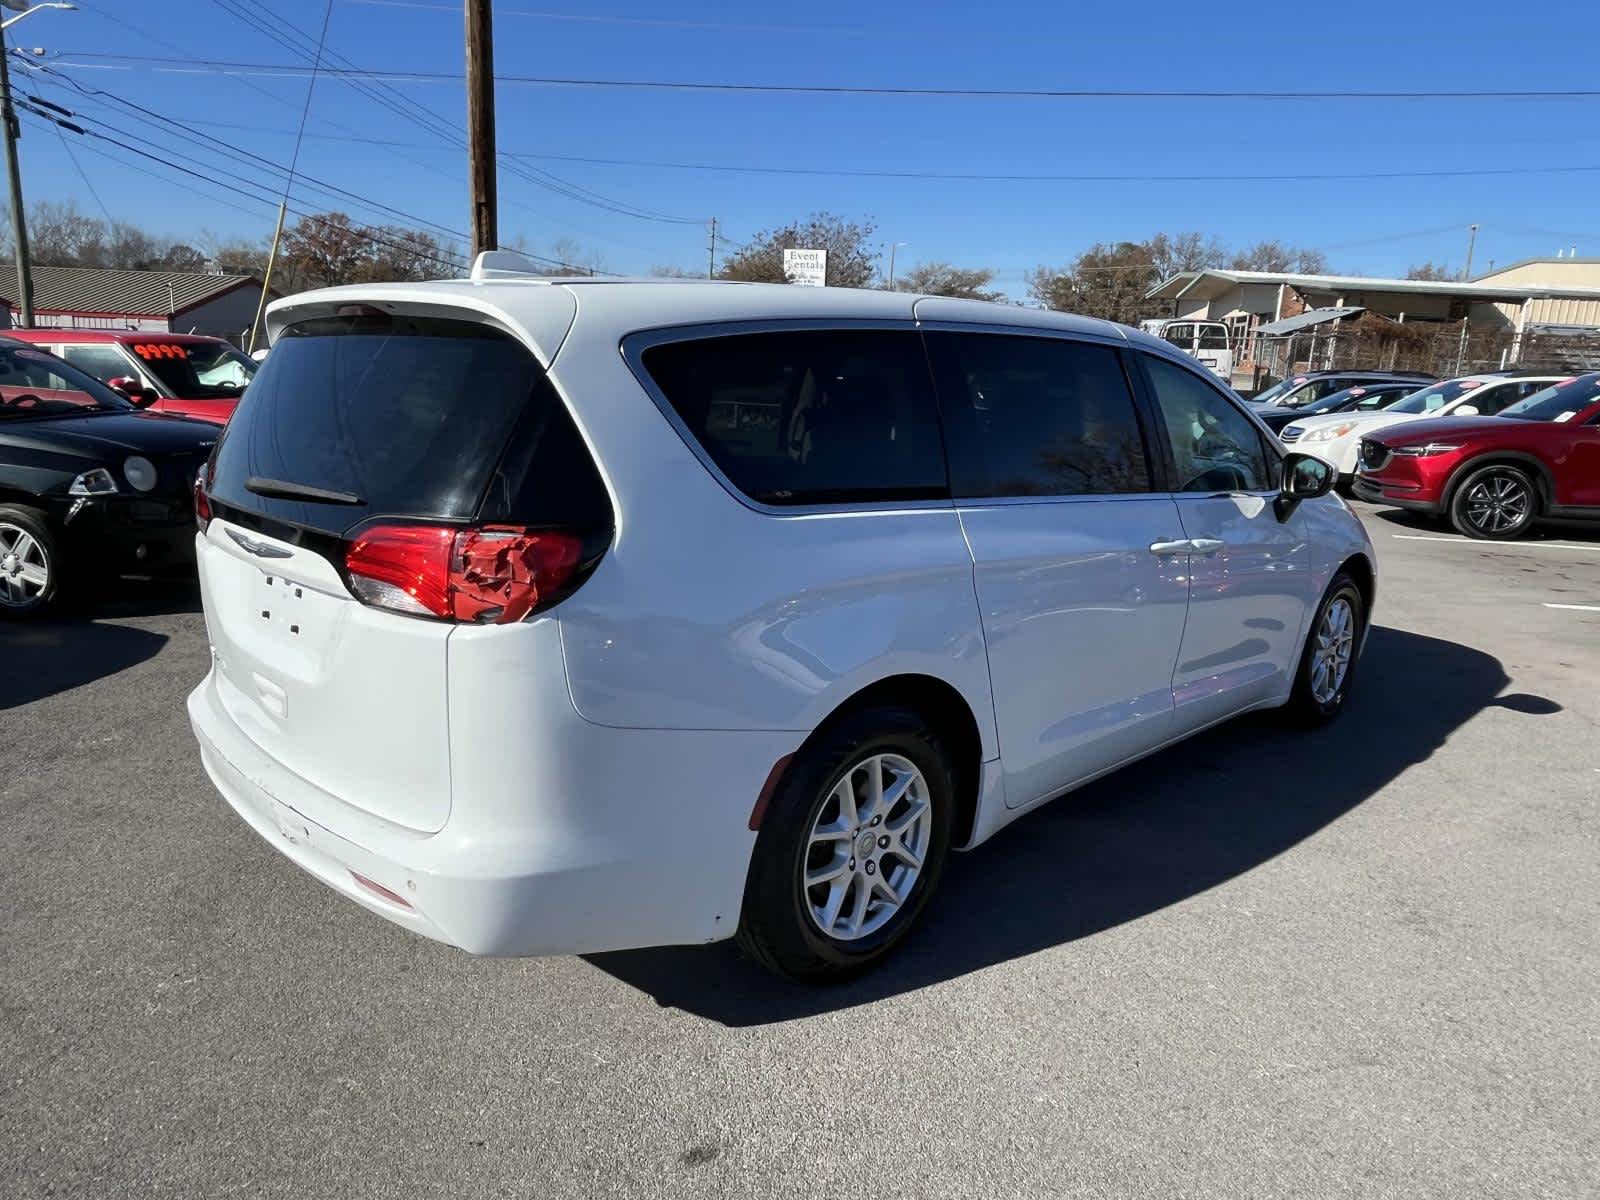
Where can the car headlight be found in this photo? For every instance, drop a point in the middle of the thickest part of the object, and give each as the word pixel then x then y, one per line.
pixel 1328 433
pixel 97 482
pixel 140 472
pixel 1424 451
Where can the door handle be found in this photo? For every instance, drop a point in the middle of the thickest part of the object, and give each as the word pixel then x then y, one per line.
pixel 1170 547
pixel 1205 545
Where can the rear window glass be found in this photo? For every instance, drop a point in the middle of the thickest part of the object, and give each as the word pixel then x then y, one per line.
pixel 403 416
pixel 1037 417
pixel 809 417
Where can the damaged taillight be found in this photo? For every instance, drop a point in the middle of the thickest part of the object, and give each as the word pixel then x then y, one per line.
pixel 489 576
pixel 202 501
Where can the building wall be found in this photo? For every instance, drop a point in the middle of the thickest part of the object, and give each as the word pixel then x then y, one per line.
pixel 228 316
pixel 1557 311
pixel 1549 272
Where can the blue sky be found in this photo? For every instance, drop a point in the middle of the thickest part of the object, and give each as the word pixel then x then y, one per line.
pixel 1372 226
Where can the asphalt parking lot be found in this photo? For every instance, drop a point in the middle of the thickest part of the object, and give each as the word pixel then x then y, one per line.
pixel 1359 963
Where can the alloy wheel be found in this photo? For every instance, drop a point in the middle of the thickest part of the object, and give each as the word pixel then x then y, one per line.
pixel 1497 502
pixel 24 567
pixel 867 847
pixel 1332 650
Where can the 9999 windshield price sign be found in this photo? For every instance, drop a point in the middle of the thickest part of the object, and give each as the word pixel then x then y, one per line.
pixel 149 350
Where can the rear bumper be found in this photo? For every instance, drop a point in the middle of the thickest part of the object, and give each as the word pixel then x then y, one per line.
pixel 654 851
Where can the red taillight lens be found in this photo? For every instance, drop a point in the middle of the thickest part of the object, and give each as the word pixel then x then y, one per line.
pixel 486 576
pixel 202 502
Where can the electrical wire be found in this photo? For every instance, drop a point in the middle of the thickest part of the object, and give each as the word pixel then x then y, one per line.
pixel 816 89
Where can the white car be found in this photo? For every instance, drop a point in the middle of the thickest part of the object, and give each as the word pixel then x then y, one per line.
pixel 567 616
pixel 1336 438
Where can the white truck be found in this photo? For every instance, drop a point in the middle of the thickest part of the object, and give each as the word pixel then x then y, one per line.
pixel 1205 340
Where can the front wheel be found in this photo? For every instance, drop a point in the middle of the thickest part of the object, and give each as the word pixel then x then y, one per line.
pixel 29 562
pixel 851 847
pixel 1496 503
pixel 1328 662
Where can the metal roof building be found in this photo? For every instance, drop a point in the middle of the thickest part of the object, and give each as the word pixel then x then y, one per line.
pixel 168 301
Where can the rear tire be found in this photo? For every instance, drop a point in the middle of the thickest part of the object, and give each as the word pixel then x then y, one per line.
pixel 844 866
pixel 1332 650
pixel 1495 503
pixel 30 562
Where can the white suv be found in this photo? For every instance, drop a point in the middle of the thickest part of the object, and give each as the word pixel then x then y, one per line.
pixel 567 616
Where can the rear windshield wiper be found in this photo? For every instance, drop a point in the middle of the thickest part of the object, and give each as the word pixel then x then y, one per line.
pixel 281 489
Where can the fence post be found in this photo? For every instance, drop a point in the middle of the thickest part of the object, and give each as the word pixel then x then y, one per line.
pixel 1461 347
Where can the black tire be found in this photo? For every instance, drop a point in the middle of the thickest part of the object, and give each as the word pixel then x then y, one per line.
pixel 1304 707
pixel 777 926
pixel 17 599
pixel 1496 503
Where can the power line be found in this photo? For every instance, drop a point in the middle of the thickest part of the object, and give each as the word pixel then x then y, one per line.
pixel 287 35
pixel 985 177
pixel 244 157
pixel 817 89
pixel 453 262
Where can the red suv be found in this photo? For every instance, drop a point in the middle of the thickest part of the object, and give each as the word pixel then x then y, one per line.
pixel 184 373
pixel 1495 477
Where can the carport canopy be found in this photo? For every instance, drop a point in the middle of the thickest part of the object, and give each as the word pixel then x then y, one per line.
pixel 1305 320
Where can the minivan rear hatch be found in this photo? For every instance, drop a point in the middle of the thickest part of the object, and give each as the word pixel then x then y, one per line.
pixel 359 424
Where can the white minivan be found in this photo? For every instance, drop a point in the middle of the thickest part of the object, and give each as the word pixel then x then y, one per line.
pixel 563 616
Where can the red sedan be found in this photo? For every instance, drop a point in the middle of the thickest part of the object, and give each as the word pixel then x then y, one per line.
pixel 1495 477
pixel 189 374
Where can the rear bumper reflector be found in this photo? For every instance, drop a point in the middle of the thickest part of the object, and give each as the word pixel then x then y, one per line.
pixel 379 890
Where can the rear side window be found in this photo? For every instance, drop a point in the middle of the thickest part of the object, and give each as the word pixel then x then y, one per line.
pixel 391 415
pixel 809 417
pixel 1037 417
pixel 105 363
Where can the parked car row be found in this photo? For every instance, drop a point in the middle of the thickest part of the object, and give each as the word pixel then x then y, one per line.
pixel 102 434
pixel 1536 461
pixel 90 486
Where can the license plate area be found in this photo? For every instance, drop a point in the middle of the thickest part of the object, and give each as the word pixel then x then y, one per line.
pixel 281 605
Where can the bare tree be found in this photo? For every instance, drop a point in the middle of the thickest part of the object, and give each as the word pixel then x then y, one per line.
pixel 852 258
pixel 942 279
pixel 1174 253
pixel 1273 255
pixel 1431 270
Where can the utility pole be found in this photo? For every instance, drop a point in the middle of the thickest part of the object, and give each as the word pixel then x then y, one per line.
pixel 893 246
pixel 19 226
pixel 480 125
pixel 1472 240
pixel 711 251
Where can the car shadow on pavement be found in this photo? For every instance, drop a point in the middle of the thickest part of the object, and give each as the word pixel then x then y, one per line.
pixel 74 645
pixel 1148 836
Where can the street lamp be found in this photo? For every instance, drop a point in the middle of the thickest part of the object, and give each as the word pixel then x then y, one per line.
pixel 8 119
pixel 892 248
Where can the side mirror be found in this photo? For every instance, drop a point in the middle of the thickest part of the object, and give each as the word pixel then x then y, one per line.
pixel 1305 477
pixel 1466 410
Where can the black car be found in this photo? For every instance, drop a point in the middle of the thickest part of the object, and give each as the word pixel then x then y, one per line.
pixel 1367 397
pixel 1299 390
pixel 89 485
